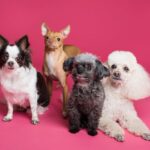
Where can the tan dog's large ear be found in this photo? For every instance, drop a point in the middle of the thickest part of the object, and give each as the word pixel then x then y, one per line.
pixel 65 32
pixel 44 29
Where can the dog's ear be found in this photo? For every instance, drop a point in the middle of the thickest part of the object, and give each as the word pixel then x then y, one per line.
pixel 44 29
pixel 23 43
pixel 3 42
pixel 65 32
pixel 68 64
pixel 101 71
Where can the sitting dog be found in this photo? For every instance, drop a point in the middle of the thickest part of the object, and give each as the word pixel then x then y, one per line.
pixel 128 81
pixel 86 100
pixel 55 55
pixel 21 84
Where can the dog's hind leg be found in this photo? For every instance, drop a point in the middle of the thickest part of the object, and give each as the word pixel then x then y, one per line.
pixel 111 128
pixel 49 83
pixel 135 125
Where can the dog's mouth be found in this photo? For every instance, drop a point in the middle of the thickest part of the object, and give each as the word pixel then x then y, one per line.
pixel 116 78
pixel 116 81
pixel 10 68
pixel 82 79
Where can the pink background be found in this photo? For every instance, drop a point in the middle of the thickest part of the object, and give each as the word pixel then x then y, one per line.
pixel 97 26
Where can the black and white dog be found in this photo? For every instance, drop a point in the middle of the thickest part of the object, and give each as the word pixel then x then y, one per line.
pixel 87 97
pixel 21 84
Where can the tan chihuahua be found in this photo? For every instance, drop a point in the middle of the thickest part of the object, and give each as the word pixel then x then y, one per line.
pixel 55 55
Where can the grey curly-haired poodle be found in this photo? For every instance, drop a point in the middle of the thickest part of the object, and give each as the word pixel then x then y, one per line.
pixel 85 104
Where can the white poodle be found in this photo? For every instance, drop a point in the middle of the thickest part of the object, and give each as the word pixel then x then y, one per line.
pixel 128 81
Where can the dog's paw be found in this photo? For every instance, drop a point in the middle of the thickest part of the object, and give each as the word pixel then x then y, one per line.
pixel 7 118
pixel 74 129
pixel 146 136
pixel 92 132
pixel 119 138
pixel 107 132
pixel 35 122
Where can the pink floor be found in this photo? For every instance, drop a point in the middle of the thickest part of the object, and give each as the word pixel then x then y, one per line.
pixel 97 26
pixel 52 132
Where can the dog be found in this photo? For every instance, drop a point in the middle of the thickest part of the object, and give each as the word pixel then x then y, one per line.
pixel 87 97
pixel 54 56
pixel 128 81
pixel 21 84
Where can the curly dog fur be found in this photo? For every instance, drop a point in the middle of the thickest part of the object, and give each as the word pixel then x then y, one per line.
pixel 86 100
pixel 128 81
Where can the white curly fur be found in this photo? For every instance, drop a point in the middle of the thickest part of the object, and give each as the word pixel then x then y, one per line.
pixel 119 111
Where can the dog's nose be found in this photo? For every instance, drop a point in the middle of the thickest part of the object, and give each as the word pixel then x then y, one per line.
pixel 10 63
pixel 80 70
pixel 116 74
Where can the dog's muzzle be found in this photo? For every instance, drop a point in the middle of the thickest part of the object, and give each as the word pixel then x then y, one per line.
pixel 10 65
pixel 116 76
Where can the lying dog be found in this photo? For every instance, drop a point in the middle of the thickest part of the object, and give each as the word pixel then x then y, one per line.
pixel 21 84
pixel 55 55
pixel 86 100
pixel 128 81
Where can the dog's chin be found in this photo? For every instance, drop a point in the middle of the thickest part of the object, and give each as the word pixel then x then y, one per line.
pixel 9 69
pixel 116 82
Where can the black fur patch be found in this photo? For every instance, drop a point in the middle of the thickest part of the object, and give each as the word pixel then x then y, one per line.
pixel 24 57
pixel 44 97
pixel 3 55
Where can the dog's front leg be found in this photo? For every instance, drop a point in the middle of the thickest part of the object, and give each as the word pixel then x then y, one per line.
pixel 111 128
pixel 74 119
pixel 92 123
pixel 33 105
pixel 9 115
pixel 65 98
pixel 135 125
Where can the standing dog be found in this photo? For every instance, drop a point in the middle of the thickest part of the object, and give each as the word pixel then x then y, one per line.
pixel 86 100
pixel 128 81
pixel 54 56
pixel 21 84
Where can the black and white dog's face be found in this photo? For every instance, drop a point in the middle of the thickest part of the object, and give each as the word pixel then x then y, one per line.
pixel 85 68
pixel 14 56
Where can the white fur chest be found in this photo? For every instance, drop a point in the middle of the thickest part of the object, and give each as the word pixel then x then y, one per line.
pixel 17 85
pixel 51 62
pixel 115 104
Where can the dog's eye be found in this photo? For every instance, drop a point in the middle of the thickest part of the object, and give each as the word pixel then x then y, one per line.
pixel 89 67
pixel 19 58
pixel 113 66
pixel 58 39
pixel 126 69
pixel 5 57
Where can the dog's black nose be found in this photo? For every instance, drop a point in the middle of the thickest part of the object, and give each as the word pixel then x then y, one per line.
pixel 80 69
pixel 116 74
pixel 10 63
